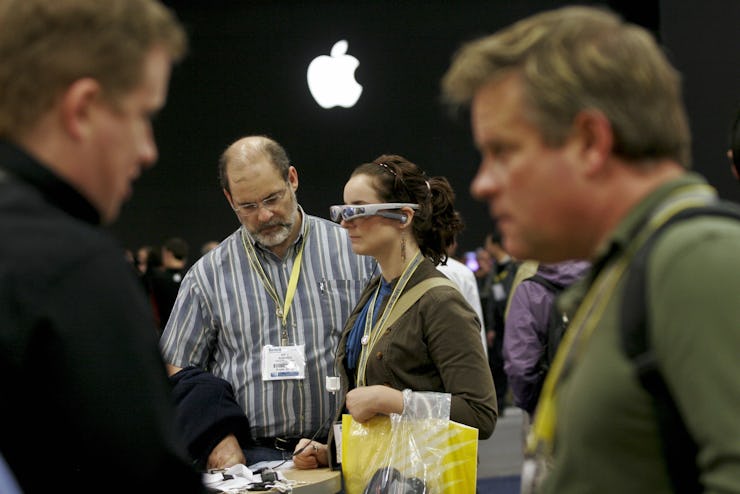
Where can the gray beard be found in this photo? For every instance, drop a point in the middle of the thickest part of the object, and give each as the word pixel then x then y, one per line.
pixel 276 238
pixel 280 235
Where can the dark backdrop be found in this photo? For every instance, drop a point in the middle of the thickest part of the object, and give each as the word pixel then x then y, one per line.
pixel 245 74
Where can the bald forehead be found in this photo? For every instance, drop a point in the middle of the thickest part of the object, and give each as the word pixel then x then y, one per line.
pixel 246 151
pixel 247 159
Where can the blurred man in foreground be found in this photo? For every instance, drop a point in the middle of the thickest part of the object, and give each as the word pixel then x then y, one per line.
pixel 86 402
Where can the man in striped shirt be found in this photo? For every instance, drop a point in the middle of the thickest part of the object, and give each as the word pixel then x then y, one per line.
pixel 263 311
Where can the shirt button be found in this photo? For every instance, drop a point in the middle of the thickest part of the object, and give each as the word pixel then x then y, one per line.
pixel 379 355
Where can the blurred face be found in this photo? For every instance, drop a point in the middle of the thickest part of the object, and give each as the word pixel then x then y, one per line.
pixel 525 182
pixel 142 256
pixel 370 235
pixel 265 202
pixel 484 262
pixel 123 143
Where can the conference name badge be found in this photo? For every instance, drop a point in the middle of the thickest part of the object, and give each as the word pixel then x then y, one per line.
pixel 283 362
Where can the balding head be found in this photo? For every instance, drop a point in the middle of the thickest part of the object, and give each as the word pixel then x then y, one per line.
pixel 248 151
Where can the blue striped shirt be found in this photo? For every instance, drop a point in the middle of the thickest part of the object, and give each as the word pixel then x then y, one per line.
pixel 224 316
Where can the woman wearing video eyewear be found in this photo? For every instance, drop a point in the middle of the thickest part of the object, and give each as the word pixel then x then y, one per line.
pixel 405 220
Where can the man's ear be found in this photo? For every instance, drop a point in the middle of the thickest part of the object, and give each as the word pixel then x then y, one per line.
pixel 293 177
pixel 78 104
pixel 595 138
pixel 228 198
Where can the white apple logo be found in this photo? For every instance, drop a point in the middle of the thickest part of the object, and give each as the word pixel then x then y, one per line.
pixel 332 79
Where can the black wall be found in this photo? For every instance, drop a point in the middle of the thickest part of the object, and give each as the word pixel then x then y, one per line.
pixel 245 74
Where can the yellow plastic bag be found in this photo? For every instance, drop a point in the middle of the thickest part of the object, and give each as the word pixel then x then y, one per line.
pixel 404 454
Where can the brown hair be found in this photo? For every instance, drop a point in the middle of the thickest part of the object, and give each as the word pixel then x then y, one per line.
pixel 45 45
pixel 436 223
pixel 578 58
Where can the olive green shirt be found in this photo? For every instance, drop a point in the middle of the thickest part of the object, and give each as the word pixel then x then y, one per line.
pixel 607 438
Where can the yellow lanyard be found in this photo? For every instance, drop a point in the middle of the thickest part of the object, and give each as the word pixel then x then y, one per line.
pixel 501 275
pixel 541 437
pixel 281 312
pixel 372 332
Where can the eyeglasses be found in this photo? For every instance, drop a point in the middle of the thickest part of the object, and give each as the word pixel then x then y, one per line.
pixel 270 203
pixel 349 212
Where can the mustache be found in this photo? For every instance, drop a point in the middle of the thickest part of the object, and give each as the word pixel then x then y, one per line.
pixel 272 225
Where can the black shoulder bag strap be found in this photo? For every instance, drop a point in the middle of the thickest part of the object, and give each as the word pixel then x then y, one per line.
pixel 552 286
pixel 679 448
pixel 556 324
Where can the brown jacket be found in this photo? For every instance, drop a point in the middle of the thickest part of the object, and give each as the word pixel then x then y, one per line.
pixel 434 346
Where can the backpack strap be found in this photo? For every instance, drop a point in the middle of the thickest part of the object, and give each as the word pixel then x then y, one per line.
pixel 679 448
pixel 413 294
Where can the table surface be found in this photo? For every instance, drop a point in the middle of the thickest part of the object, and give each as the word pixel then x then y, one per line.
pixel 317 481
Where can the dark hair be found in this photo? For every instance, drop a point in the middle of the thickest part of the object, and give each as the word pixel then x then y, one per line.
pixel 436 223
pixel 153 258
pixel 178 247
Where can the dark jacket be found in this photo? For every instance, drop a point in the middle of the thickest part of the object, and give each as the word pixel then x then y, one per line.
pixel 78 347
pixel 206 412
pixel 164 284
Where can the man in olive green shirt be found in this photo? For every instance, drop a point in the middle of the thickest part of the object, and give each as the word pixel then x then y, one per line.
pixel 585 150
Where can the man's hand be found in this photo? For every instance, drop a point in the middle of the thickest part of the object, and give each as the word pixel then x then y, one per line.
pixel 312 454
pixel 172 369
pixel 227 453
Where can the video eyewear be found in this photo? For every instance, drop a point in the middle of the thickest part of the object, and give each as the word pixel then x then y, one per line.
pixel 350 212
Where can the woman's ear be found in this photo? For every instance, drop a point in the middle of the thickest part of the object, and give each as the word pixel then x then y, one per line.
pixel 407 214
